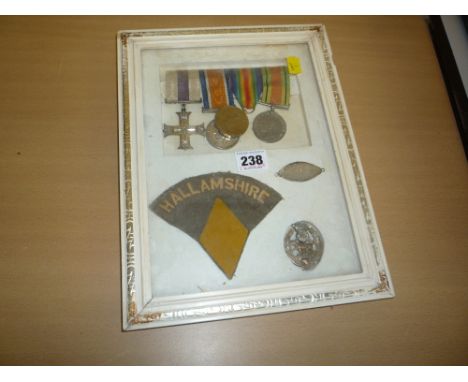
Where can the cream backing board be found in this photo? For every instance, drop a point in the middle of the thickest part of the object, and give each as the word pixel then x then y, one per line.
pixel 161 266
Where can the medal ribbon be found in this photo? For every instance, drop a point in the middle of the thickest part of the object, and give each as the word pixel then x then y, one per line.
pixel 182 86
pixel 214 89
pixel 246 84
pixel 276 89
pixel 218 87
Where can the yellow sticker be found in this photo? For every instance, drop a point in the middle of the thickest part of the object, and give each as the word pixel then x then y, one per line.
pixel 294 65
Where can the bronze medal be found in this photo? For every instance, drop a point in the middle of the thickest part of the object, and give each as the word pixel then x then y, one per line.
pixel 231 121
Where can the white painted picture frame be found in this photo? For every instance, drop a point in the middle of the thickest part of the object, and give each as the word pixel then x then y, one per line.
pixel 153 293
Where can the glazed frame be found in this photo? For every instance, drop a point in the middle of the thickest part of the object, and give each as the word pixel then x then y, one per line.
pixel 140 310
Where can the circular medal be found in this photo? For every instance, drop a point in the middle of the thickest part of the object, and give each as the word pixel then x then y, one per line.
pixel 231 121
pixel 269 126
pixel 304 244
pixel 218 140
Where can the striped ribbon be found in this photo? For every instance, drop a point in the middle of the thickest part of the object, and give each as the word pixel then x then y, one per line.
pixel 215 94
pixel 276 89
pixel 218 87
pixel 182 86
pixel 246 84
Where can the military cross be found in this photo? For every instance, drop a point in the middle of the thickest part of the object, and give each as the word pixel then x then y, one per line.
pixel 184 130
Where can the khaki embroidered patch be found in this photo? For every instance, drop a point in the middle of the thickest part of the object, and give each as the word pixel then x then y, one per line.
pixel 218 210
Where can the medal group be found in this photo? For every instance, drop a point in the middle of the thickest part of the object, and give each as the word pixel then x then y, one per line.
pixel 219 90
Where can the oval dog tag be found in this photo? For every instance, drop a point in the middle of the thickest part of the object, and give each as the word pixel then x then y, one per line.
pixel 300 171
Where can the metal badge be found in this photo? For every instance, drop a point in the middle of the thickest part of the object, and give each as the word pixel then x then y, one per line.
pixel 300 171
pixel 269 126
pixel 304 244
pixel 218 140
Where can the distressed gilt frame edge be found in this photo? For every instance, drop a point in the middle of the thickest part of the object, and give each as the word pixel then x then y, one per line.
pixel 138 319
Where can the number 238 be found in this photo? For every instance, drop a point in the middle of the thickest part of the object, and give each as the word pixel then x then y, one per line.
pixel 251 160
